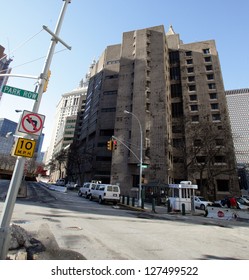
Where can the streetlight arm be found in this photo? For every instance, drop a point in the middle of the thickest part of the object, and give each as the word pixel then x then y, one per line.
pixel 127 148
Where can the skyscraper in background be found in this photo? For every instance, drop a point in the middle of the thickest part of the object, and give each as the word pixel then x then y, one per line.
pixel 7 131
pixel 238 108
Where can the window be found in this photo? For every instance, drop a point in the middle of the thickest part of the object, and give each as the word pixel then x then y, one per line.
pixel 111 92
pixel 209 67
pixel 222 185
pixel 108 110
pixel 176 90
pixel 201 159
pixel 206 51
pixel 219 142
pixel 112 62
pixel 191 87
pixel 210 76
pixel 193 97
pixel 67 138
pixel 76 101
pixel 69 132
pixel 189 61
pixel 213 95
pixel 191 78
pixel 220 159
pixel 194 107
pixel 195 118
pixel 174 57
pixel 197 142
pixel 214 106
pixel 216 117
pixel 190 69
pixel 112 76
pixel 102 158
pixel 207 59
pixel 106 132
pixel 175 73
pixel 212 86
pixel 177 110
pixel 177 129
pixel 188 53
pixel 178 160
pixel 177 142
pixel 69 126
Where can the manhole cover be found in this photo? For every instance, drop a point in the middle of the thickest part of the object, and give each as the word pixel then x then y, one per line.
pixel 21 222
pixel 74 228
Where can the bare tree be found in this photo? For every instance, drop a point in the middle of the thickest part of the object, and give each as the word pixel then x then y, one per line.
pixel 78 162
pixel 210 154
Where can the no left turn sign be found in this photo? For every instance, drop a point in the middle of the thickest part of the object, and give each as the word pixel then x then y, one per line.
pixel 31 123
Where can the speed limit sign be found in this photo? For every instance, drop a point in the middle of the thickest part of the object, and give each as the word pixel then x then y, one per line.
pixel 24 147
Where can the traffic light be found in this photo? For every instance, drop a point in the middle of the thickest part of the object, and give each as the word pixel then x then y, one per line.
pixel 109 145
pixel 114 144
pixel 46 81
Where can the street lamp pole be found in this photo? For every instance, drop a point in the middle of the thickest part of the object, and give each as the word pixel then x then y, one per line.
pixel 141 158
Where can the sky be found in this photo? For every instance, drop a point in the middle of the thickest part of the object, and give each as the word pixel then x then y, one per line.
pixel 90 26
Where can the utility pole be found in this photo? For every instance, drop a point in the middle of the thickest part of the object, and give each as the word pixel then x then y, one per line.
pixel 140 159
pixel 19 166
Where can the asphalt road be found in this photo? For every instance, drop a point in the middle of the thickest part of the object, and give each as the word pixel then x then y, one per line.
pixel 73 227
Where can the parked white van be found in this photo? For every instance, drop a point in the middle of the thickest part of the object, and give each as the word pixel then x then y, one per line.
pixel 85 190
pixel 105 193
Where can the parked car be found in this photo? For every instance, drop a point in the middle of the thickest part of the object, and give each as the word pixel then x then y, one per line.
pixel 241 204
pixel 105 193
pixel 71 185
pixel 201 203
pixel 245 199
pixel 60 182
pixel 85 190
pixel 217 203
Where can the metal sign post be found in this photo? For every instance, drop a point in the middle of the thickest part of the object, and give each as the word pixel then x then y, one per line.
pixel 19 166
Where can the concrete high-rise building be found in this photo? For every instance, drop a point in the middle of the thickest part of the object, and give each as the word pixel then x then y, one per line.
pixel 175 97
pixel 238 105
pixel 92 158
pixel 70 106
pixel 238 108
pixel 7 131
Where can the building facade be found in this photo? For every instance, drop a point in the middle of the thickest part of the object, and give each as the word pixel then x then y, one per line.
pixel 7 131
pixel 70 106
pixel 92 158
pixel 175 104
pixel 238 104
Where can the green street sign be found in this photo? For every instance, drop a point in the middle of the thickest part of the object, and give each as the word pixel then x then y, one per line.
pixel 144 165
pixel 20 92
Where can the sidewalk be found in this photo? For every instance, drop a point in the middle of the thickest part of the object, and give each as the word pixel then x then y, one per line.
pixel 196 217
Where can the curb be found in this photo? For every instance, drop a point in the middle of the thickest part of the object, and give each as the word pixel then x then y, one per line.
pixel 134 208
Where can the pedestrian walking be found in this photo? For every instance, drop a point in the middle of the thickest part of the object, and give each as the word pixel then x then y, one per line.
pixel 233 202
